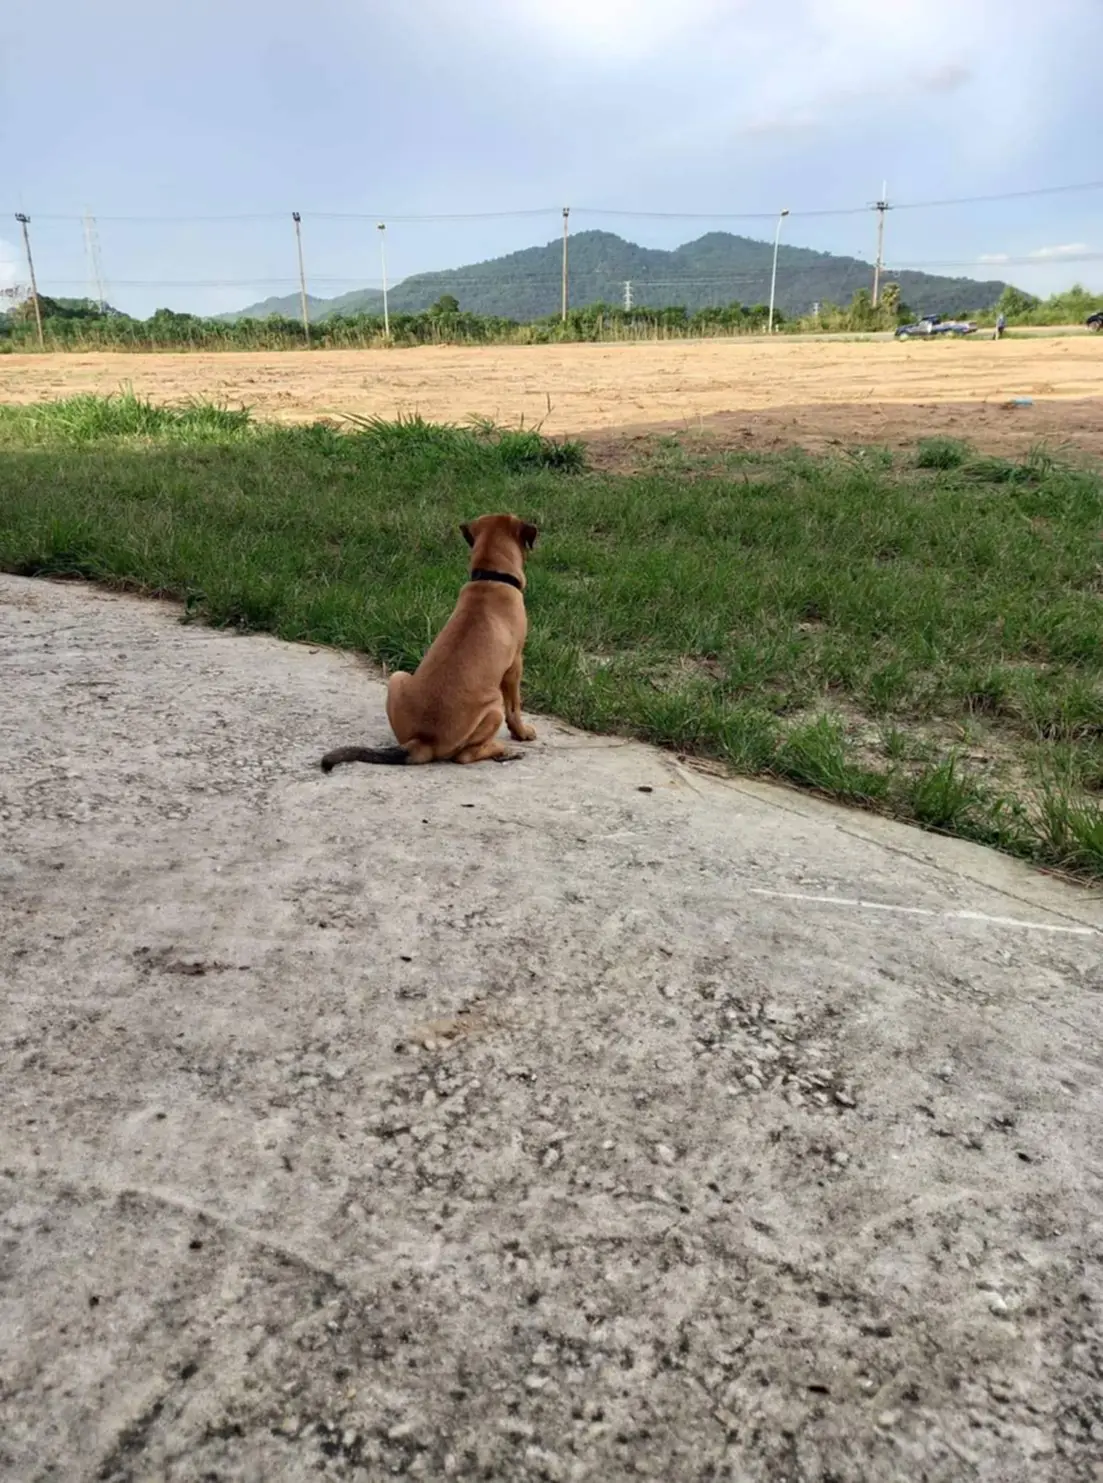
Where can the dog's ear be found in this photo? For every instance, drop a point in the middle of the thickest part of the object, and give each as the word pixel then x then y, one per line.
pixel 465 531
pixel 528 534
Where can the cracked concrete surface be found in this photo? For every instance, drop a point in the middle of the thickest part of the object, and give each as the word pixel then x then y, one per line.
pixel 493 1123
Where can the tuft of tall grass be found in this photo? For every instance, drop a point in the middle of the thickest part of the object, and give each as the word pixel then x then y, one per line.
pixel 941 453
pixel 87 418
pixel 481 444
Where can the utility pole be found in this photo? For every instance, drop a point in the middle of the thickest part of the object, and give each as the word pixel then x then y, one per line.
pixel 95 266
pixel 566 229
pixel 627 294
pixel 880 207
pixel 297 219
pixel 383 265
pixel 25 221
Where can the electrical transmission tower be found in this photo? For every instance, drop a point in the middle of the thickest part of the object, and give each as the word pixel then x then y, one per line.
pixel 627 293
pixel 96 290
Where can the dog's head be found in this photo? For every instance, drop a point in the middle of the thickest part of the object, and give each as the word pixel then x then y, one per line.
pixel 495 531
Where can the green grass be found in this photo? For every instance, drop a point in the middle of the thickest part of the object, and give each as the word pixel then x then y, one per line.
pixel 922 635
pixel 482 444
pixel 941 453
pixel 88 419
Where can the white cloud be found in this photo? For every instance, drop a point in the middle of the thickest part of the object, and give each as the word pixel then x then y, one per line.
pixel 842 60
pixel 609 34
pixel 1061 252
pixel 641 25
pixel 804 41
pixel 739 102
pixel 1063 249
pixel 709 71
pixel 835 101
pixel 945 79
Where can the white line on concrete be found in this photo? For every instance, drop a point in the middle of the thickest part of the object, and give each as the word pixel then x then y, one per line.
pixel 924 911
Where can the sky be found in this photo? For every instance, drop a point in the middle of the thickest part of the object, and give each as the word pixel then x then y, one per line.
pixel 191 131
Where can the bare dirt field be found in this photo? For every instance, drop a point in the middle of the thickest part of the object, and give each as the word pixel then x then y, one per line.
pixel 584 1120
pixel 808 392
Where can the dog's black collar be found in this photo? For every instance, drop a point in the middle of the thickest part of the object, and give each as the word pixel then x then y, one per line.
pixel 480 574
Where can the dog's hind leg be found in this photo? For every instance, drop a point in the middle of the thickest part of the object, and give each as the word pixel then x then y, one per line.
pixel 484 745
pixel 491 751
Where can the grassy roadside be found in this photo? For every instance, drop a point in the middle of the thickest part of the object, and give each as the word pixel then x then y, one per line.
pixel 921 635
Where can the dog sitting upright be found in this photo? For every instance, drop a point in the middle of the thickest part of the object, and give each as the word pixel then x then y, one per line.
pixel 451 707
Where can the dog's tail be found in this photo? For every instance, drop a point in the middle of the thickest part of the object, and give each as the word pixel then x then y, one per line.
pixel 394 756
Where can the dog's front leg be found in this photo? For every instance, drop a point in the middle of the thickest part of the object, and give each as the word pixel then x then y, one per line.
pixel 511 695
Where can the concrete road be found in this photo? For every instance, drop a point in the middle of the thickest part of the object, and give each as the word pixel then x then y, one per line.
pixel 582 1119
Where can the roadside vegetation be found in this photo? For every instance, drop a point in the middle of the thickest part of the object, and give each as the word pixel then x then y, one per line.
pixel 919 634
pixel 82 325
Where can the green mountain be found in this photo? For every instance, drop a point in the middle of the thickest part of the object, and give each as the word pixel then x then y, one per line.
pixel 287 306
pixel 716 269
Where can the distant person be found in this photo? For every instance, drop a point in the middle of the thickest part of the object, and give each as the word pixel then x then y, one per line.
pixel 1001 325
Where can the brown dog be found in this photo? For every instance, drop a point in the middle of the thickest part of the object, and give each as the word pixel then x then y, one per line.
pixel 451 707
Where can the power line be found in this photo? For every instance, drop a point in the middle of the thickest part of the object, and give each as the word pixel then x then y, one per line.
pixel 155 219
pixel 435 216
pixel 1050 260
pixel 220 216
pixel 1042 190
pixel 604 211
pixel 713 215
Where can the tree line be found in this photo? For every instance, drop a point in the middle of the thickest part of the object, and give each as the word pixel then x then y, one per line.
pixel 83 324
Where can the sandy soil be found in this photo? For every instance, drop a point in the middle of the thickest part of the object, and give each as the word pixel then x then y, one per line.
pixel 584 1119
pixel 593 387
pixel 1065 428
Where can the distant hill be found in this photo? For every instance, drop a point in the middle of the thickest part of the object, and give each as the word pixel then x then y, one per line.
pixel 289 306
pixel 716 269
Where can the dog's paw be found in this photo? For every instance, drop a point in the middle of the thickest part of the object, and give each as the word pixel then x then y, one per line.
pixel 525 733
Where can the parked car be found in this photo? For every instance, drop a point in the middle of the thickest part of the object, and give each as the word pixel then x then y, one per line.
pixel 1095 321
pixel 934 324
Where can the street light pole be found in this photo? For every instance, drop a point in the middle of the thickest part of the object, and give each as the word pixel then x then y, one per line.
pixel 383 263
pixel 773 275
